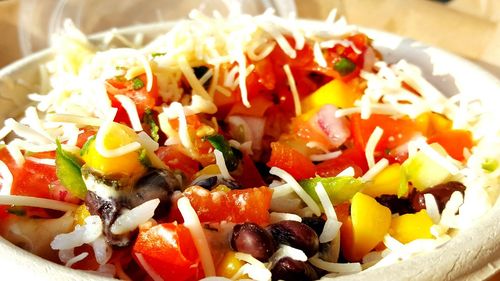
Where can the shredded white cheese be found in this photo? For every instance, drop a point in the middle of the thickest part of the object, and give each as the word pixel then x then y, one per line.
pixel 192 222
pixel 6 179
pixel 375 170
pixel 109 153
pixel 150 270
pixel 293 90
pixel 18 200
pixel 325 156
pixel 347 172
pixel 16 154
pixel 27 132
pixel 131 109
pixel 332 225
pixel 336 267
pixel 183 129
pixel 432 207
pixel 436 156
pixel 42 161
pixel 254 268
pixel 76 259
pixel 221 163
pixel 277 217
pixel 371 144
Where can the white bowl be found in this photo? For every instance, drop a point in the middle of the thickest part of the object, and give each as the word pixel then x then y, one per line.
pixel 473 253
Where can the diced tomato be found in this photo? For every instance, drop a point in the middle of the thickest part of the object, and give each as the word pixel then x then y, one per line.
pixel 396 131
pixel 202 149
pixel 292 161
pixel 249 176
pixel 33 179
pixel 83 137
pixel 142 98
pixel 454 142
pixel 242 205
pixel 258 107
pixel 351 157
pixel 168 250
pixel 175 159
pixel 342 211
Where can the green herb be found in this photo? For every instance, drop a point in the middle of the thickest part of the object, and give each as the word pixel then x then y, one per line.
pixel 339 189
pixel 344 66
pixel 490 165
pixel 144 159
pixel 154 55
pixel 68 171
pixel 231 155
pixel 86 145
pixel 153 127
pixel 137 83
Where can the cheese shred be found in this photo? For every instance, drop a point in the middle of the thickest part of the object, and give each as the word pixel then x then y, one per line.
pixel 192 222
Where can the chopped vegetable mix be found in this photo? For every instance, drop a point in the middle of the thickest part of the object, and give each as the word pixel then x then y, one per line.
pixel 258 153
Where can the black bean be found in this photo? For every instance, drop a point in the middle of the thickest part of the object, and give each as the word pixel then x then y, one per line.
pixel 316 223
pixel 207 183
pixel 295 234
pixel 107 209
pixel 289 269
pixel 441 192
pixel 212 182
pixel 396 205
pixel 156 183
pixel 252 239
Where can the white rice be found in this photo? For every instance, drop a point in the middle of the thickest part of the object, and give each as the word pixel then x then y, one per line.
pixel 130 220
pixel 83 234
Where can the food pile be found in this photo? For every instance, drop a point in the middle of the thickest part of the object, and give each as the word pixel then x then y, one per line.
pixel 240 147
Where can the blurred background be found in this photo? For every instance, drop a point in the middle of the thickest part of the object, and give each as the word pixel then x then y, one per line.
pixel 469 28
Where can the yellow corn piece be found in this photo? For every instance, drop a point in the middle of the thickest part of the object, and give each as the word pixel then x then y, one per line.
pixel 409 227
pixel 129 164
pixel 370 223
pixel 229 265
pixel 430 123
pixel 81 213
pixel 386 182
pixel 211 169
pixel 335 92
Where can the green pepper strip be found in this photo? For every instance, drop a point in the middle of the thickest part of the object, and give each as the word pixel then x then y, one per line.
pixel 230 154
pixel 68 171
pixel 339 189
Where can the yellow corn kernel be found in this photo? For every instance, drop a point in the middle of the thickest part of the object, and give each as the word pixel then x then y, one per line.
pixel 335 92
pixel 229 265
pixel 222 188
pixel 81 213
pixel 129 164
pixel 409 227
pixel 386 182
